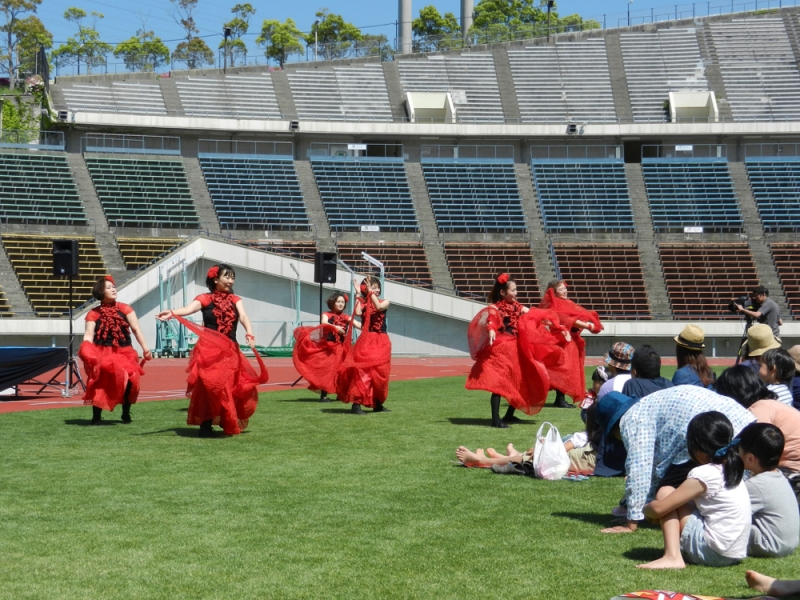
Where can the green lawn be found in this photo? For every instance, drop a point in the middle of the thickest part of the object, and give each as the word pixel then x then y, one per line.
pixel 312 502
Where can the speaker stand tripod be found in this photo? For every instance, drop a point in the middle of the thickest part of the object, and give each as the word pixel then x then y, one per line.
pixel 71 368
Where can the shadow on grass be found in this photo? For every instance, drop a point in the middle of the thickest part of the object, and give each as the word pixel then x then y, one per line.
pixel 343 411
pixel 317 400
pixel 600 519
pixel 184 409
pixel 644 554
pixel 88 423
pixel 461 421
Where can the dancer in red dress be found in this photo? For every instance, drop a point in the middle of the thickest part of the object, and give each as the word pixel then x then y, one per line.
pixel 363 378
pixel 222 385
pixel 513 347
pixel 570 377
pixel 319 350
pixel 112 365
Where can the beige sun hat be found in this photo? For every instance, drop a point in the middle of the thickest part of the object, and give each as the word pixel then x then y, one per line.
pixel 794 352
pixel 760 339
pixel 691 338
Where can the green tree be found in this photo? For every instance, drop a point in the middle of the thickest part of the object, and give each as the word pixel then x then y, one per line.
pixel 576 23
pixel 434 31
pixel 86 47
pixel 239 26
pixel 334 35
pixel 497 20
pixel 375 45
pixel 32 34
pixel 143 52
pixel 194 52
pixel 10 34
pixel 280 40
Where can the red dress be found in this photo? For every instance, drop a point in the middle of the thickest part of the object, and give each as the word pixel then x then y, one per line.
pixel 109 359
pixel 222 385
pixel 516 365
pixel 364 375
pixel 319 351
pixel 570 377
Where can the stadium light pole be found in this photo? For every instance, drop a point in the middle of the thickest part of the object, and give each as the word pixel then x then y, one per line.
pixel 316 38
pixel 629 12
pixel 549 7
pixel 226 31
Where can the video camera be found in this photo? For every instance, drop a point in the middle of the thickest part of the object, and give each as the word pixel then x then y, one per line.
pixel 744 300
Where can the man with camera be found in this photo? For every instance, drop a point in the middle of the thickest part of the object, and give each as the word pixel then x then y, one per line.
pixel 761 309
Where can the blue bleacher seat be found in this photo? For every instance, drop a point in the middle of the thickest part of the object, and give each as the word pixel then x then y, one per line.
pixel 776 188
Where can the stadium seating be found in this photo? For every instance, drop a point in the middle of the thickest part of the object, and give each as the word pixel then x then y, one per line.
pixel 474 267
pixel 352 93
pixel 401 260
pixel 470 78
pixel 474 196
pixel 703 278
pixel 5 306
pixel 255 193
pixel 786 256
pixel 566 81
pixel 607 278
pixel 776 188
pixel 302 250
pixel 657 63
pixel 691 193
pixel 758 68
pixel 32 259
pixel 135 97
pixel 580 196
pixel 137 252
pixel 360 192
pixel 233 96
pixel 38 188
pixel 138 192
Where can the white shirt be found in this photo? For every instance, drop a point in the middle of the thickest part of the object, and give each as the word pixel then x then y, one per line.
pixel 784 394
pixel 615 384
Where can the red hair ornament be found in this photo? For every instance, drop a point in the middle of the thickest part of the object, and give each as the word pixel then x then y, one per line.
pixel 503 279
pixel 213 272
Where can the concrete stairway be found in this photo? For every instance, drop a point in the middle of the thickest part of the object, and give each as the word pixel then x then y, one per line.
pixel 540 247
pixel 713 73
pixel 759 247
pixel 172 100
pixel 505 83
pixel 94 212
pixel 648 248
pixel 11 286
pixel 314 206
pixel 283 94
pixel 394 87
pixel 434 246
pixel 791 24
pixel 619 83
pixel 200 195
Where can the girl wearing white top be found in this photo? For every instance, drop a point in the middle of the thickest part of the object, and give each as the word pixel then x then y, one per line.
pixel 776 369
pixel 706 520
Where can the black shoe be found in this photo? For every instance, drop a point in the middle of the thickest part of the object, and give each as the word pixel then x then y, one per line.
pixel 323 397
pixel 380 408
pixel 97 419
pixel 206 431
pixel 512 419
pixel 126 418
pixel 499 425
pixel 356 410
pixel 563 404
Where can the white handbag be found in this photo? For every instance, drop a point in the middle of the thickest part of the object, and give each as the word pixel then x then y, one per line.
pixel 550 460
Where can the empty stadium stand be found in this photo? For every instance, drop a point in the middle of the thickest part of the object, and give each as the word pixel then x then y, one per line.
pixel 776 189
pixel 786 256
pixel 38 188
pixel 255 192
pixel 137 252
pixel 303 250
pixel 657 63
pixel 703 278
pixel 353 93
pixel 32 259
pixel 401 260
pixel 474 267
pixel 5 306
pixel 473 195
pixel 232 96
pixel 578 196
pixel 607 278
pixel 565 81
pixel 359 192
pixel 139 192
pixel 134 97
pixel 691 193
pixel 469 77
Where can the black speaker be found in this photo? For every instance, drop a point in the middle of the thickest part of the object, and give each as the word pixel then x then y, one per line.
pixel 325 267
pixel 65 258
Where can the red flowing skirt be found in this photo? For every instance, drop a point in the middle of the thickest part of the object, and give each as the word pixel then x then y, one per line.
pixel 570 377
pixel 109 369
pixel 222 384
pixel 317 358
pixel 364 375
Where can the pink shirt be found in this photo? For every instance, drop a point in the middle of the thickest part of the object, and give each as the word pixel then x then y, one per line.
pixel 787 419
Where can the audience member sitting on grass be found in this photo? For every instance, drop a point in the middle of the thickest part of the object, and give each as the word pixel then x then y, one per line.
pixel 692 366
pixel 759 340
pixel 794 352
pixel 618 359
pixel 772 586
pixel 777 371
pixel 491 457
pixel 645 374
pixel 599 377
pixel 775 530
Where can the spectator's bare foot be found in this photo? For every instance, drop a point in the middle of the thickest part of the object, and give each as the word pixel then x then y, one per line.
pixel 469 458
pixel 759 582
pixel 513 451
pixel 492 453
pixel 665 562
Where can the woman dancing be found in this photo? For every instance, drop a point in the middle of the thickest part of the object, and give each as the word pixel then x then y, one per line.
pixel 513 346
pixel 363 379
pixel 319 351
pixel 569 378
pixel 221 383
pixel 112 365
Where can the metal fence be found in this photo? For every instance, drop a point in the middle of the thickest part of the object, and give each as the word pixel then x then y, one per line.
pixel 577 152
pixel 130 144
pixel 32 138
pixel 683 151
pixel 468 151
pixel 206 147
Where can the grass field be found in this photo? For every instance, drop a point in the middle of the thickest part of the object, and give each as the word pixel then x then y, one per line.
pixel 312 502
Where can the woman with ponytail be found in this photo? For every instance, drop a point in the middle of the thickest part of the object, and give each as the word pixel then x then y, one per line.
pixel 706 520
pixel 513 346
pixel 112 365
pixel 222 385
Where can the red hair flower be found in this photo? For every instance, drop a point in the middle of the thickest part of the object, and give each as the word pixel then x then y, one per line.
pixel 503 279
pixel 111 279
pixel 346 298
pixel 363 289
pixel 213 272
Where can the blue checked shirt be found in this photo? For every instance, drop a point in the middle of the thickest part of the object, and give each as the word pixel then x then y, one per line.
pixel 654 433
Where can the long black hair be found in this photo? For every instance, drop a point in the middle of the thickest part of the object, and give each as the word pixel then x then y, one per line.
pixel 712 433
pixel 743 385
pixel 783 363
pixel 223 268
pixel 494 295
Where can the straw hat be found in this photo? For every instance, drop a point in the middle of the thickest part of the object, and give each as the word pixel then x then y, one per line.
pixel 794 352
pixel 691 338
pixel 619 356
pixel 760 339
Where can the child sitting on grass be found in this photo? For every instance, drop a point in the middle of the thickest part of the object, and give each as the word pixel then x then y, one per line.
pixel 706 520
pixel 777 371
pixel 775 530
